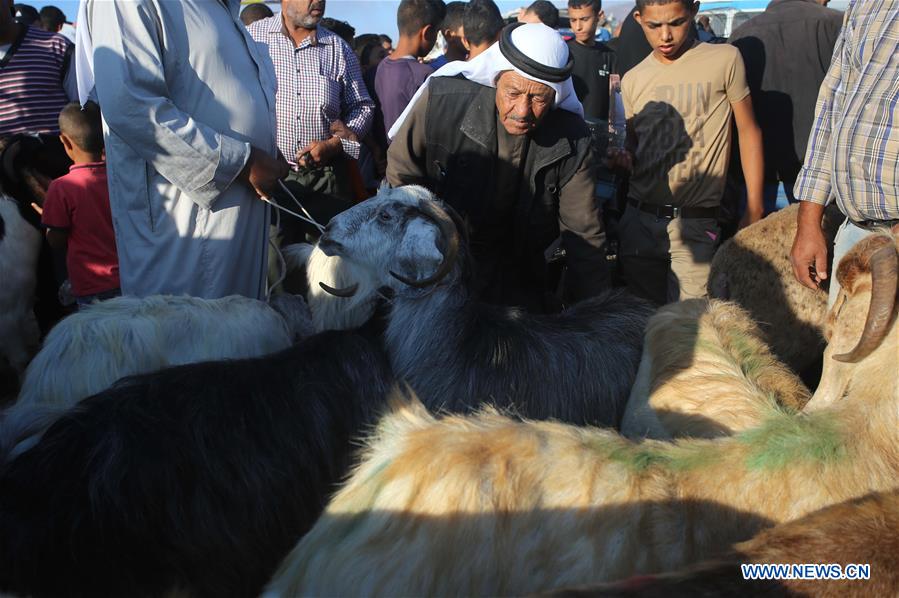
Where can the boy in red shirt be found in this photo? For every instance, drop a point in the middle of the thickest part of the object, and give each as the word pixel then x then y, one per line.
pixel 76 210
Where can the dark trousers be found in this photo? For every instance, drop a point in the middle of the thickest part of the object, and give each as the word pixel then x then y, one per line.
pixel 324 192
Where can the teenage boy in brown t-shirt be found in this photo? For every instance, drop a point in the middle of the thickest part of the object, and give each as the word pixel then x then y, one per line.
pixel 679 103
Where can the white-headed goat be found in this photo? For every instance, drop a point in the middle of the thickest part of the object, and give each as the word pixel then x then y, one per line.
pixel 458 353
pixel 487 505
pixel 706 372
pixel 316 271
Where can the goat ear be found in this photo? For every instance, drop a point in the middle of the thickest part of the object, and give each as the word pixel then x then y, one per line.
pixel 419 256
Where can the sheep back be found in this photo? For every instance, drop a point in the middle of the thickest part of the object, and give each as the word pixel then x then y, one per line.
pixel 89 350
pixel 860 531
pixel 199 477
pixel 753 269
pixel 706 372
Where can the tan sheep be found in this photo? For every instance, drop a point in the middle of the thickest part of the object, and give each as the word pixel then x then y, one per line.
pixel 753 269
pixel 487 505
pixel 857 532
pixel 706 372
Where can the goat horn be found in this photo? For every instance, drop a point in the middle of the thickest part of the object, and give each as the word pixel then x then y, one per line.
pixel 884 265
pixel 8 155
pixel 345 292
pixel 448 231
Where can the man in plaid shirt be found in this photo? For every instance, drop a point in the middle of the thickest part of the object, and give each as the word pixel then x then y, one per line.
pixel 854 145
pixel 322 105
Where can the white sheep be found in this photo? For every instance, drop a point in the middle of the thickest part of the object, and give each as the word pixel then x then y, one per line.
pixel 19 248
pixel 89 350
pixel 706 372
pixel 488 505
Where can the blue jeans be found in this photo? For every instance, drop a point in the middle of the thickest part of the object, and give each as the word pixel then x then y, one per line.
pixel 771 196
pixel 847 236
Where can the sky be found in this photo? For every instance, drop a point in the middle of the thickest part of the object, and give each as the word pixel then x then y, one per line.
pixel 367 16
pixel 378 16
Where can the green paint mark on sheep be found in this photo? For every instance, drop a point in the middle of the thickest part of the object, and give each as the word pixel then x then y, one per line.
pixel 787 439
pixel 674 456
pixel 750 361
pixel 738 348
pixel 784 439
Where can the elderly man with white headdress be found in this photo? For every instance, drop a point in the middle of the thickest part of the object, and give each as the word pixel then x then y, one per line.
pixel 502 139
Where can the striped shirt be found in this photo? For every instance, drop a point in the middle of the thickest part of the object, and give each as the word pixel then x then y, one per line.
pixel 319 82
pixel 853 152
pixel 31 82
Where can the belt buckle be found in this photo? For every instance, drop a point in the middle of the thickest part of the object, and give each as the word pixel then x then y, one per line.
pixel 675 212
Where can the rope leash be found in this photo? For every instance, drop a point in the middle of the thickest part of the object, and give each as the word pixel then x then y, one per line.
pixel 307 218
pixel 282 263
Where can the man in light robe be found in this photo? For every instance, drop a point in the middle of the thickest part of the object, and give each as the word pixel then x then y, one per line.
pixel 188 104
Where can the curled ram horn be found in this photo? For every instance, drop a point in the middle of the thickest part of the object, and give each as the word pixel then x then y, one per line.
pixel 344 292
pixel 448 231
pixel 884 265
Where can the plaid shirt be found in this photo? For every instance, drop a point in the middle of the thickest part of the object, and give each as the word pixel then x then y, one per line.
pixel 853 149
pixel 318 82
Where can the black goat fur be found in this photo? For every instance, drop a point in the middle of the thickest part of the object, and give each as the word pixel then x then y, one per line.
pixel 200 477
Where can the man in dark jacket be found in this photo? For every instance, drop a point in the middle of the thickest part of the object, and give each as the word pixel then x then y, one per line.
pixel 502 139
pixel 787 51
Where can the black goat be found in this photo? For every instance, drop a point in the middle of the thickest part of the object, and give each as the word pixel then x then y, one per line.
pixel 198 478
pixel 458 353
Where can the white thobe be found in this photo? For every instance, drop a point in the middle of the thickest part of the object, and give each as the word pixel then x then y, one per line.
pixel 184 93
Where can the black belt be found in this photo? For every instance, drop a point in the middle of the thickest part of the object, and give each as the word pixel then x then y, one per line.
pixel 670 212
pixel 872 224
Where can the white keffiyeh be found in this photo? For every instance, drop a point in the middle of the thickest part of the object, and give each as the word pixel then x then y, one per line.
pixel 535 40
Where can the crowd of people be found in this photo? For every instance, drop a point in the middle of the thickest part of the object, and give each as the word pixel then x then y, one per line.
pixel 206 109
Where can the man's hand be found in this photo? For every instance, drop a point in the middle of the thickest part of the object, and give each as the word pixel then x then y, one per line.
pixel 339 129
pixel 319 153
pixel 753 214
pixel 809 254
pixel 619 161
pixel 262 172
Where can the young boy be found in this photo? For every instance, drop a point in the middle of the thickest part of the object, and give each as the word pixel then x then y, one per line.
pixel 482 24
pixel 679 102
pixel 76 209
pixel 594 62
pixel 451 28
pixel 540 11
pixel 400 74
